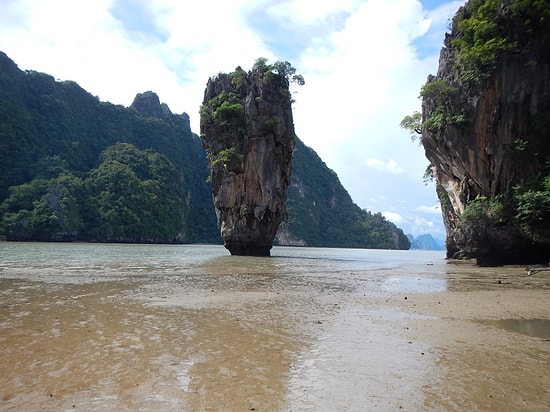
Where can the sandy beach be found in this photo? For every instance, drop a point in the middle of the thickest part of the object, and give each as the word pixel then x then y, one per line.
pixel 431 337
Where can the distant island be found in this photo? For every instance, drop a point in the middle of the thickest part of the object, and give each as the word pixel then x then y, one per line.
pixel 426 242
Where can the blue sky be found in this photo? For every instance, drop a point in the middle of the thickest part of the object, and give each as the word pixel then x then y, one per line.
pixel 363 62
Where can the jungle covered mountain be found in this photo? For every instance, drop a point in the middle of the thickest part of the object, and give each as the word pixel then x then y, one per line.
pixel 76 168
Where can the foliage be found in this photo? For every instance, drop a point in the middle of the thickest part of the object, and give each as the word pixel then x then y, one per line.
pixel 428 176
pixel 44 209
pixel 225 112
pixel 533 209
pixel 479 40
pixel 440 91
pixel 485 33
pixel 482 211
pixel 527 207
pixel 260 65
pixel 520 145
pixel 228 111
pixel 131 195
pixel 282 69
pixel 223 118
pixel 285 69
pixel 447 110
pixel 227 157
pixel 238 78
pixel 269 126
pixel 413 124
pixel 475 215
pixel 476 219
pixel 482 32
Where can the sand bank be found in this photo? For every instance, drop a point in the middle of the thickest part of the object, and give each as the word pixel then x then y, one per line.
pixel 451 337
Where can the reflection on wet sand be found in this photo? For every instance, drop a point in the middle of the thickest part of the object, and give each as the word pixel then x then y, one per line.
pixel 538 328
pixel 81 346
pixel 85 346
pixel 234 334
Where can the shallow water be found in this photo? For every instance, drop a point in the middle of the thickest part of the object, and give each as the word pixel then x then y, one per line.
pixel 159 327
pixel 538 328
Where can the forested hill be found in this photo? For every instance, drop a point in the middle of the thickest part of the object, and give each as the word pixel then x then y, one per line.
pixel 75 168
pixel 79 168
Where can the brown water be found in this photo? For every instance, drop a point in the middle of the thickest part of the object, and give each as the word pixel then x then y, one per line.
pixel 135 327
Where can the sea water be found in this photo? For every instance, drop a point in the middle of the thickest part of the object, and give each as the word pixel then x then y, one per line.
pixel 96 262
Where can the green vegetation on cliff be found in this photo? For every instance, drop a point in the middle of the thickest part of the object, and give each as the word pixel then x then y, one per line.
pixel 484 30
pixel 130 196
pixel 248 133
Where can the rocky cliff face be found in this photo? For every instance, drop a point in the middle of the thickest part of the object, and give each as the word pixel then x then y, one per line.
pixel 248 133
pixel 484 133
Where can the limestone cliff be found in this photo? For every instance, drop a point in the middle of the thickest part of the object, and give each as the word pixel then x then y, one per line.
pixel 248 133
pixel 485 118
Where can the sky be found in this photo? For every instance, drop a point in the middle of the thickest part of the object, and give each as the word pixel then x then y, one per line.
pixel 363 62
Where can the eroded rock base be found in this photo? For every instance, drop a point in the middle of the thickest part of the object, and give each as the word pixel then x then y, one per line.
pixel 248 249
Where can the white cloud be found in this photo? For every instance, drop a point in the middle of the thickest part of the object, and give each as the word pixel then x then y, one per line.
pixel 360 81
pixel 423 226
pixel 303 12
pixel 393 217
pixel 415 220
pixel 429 209
pixel 82 41
pixel 390 166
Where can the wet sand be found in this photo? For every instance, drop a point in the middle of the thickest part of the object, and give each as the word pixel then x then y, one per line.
pixel 445 337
